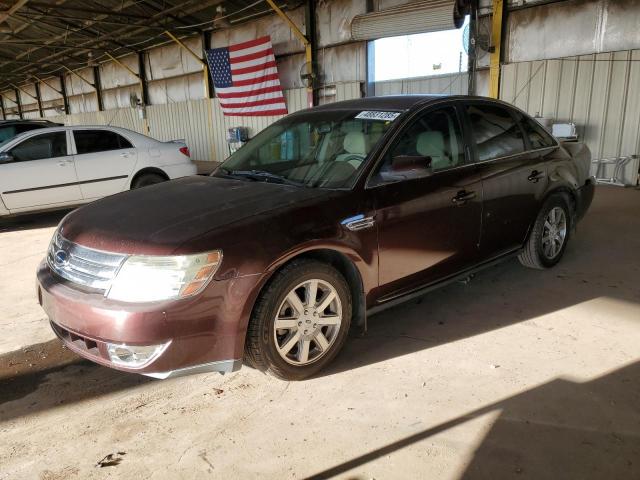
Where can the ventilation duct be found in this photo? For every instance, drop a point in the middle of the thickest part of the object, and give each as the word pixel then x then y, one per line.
pixel 415 17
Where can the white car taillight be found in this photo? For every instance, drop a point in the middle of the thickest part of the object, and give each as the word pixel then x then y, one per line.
pixel 185 151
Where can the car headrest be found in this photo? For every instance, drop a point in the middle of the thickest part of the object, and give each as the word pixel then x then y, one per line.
pixel 356 143
pixel 430 144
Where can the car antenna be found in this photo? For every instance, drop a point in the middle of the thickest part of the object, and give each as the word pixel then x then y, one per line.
pixel 113 118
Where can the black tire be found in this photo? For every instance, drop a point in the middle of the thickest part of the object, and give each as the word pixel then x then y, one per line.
pixel 533 254
pixel 260 344
pixel 147 179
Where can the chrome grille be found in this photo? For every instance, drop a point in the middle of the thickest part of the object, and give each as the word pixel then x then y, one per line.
pixel 81 265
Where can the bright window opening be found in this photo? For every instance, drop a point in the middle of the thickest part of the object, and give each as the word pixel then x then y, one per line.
pixel 422 54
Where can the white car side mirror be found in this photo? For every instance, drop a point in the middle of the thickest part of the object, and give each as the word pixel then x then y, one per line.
pixel 6 158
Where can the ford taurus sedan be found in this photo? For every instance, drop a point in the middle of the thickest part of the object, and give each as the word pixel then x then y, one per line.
pixel 323 218
pixel 61 167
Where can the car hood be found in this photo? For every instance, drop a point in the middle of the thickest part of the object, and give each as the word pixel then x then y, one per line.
pixel 158 219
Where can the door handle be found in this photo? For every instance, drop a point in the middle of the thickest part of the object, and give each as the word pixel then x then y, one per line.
pixel 125 155
pixel 536 176
pixel 64 163
pixel 463 197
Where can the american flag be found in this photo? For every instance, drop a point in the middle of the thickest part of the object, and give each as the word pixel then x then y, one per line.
pixel 246 79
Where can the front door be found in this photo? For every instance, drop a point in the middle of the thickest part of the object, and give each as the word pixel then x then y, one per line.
pixel 428 218
pixel 41 174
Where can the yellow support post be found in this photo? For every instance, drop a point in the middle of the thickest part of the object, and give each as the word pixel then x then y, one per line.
pixel 205 78
pixel 205 66
pixel 41 80
pixel 303 39
pixel 496 36
pixel 24 91
pixel 80 77
pixel 144 118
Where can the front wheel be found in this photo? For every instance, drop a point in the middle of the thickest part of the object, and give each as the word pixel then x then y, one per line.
pixel 300 321
pixel 549 235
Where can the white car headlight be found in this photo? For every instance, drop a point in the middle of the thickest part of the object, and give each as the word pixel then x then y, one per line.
pixel 153 278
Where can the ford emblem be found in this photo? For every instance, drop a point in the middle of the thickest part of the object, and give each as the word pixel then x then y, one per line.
pixel 61 257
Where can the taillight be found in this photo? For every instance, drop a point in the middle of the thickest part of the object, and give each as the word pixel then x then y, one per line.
pixel 185 151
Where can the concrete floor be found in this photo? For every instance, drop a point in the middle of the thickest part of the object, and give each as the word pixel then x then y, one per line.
pixel 518 374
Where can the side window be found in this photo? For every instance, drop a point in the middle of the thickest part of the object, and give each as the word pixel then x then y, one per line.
pixel 538 136
pixel 434 140
pixel 92 141
pixel 7 133
pixel 47 145
pixel 495 132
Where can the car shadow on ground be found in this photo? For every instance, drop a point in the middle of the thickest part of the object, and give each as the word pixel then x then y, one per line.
pixel 495 298
pixel 61 386
pixel 32 221
pixel 598 266
pixel 561 429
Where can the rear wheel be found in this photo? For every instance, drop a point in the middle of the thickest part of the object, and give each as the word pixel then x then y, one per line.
pixel 549 235
pixel 147 179
pixel 300 321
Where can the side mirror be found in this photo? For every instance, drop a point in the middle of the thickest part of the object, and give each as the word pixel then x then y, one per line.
pixel 6 158
pixel 411 163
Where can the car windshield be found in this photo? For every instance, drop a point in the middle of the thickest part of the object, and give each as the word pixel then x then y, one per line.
pixel 321 149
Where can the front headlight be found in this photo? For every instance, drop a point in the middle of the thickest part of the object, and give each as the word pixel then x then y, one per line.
pixel 153 278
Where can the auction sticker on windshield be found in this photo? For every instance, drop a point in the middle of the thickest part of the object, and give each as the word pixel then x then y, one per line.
pixel 383 116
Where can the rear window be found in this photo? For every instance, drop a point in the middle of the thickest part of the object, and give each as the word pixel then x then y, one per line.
pixel 538 136
pixel 93 141
pixel 496 133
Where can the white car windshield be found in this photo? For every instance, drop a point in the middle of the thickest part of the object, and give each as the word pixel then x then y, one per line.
pixel 324 149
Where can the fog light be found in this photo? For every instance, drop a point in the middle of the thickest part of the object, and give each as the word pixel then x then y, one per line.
pixel 134 356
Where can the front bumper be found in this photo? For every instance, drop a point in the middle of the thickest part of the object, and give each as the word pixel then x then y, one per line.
pixel 204 333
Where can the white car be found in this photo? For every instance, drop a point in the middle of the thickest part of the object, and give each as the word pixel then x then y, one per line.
pixel 60 167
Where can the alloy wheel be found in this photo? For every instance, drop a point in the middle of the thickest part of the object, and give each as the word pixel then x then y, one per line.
pixel 307 322
pixel 554 232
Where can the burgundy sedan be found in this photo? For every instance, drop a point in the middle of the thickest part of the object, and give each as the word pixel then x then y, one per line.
pixel 323 218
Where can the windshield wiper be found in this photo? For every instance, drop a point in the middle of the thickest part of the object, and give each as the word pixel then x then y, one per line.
pixel 261 175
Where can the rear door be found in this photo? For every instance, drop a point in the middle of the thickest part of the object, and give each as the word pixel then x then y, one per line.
pixel 428 222
pixel 104 161
pixel 513 176
pixel 41 174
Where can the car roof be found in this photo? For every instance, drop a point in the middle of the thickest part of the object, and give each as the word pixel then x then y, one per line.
pixel 28 121
pixel 138 139
pixel 395 102
pixel 388 102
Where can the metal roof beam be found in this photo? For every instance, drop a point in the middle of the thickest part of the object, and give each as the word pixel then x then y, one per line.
pixel 16 6
pixel 122 33
pixel 63 36
pixel 100 21
pixel 74 28
pixel 93 11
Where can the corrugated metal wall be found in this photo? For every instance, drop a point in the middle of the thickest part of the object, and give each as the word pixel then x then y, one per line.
pixel 189 120
pixel 599 93
pixel 452 84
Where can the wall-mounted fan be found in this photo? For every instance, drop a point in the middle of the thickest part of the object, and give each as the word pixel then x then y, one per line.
pixel 134 101
pixel 307 79
pixel 481 41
